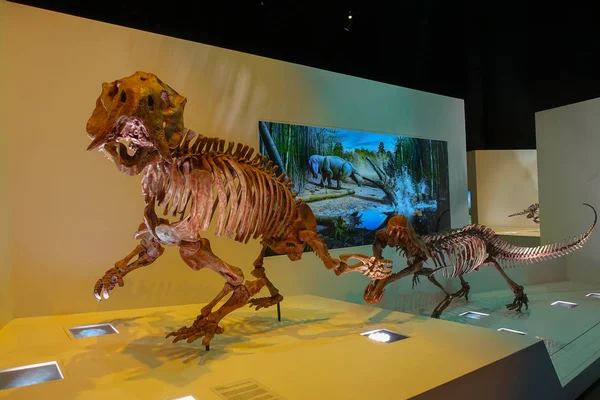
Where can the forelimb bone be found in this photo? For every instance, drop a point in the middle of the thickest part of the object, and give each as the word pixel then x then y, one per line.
pixel 147 252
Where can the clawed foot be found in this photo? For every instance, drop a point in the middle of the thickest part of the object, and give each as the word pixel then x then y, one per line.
pixel 378 268
pixel 202 326
pixel 415 280
pixel 264 302
pixel 520 300
pixel 111 278
pixel 374 268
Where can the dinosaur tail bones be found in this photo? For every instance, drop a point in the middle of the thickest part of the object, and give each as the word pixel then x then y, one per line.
pixel 514 255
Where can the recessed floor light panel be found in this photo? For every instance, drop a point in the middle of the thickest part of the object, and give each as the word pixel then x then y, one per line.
pixel 474 315
pixel 511 331
pixel 566 304
pixel 79 332
pixel 384 336
pixel 30 375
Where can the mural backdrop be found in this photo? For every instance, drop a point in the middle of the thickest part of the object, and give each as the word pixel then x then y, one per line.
pixel 355 181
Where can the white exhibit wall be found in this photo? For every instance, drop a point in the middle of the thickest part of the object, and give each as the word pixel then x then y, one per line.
pixel 506 182
pixel 568 143
pixel 503 182
pixel 6 298
pixel 77 215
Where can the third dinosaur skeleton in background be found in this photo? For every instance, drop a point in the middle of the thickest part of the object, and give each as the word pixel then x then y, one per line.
pixel 138 124
pixel 458 253
pixel 533 212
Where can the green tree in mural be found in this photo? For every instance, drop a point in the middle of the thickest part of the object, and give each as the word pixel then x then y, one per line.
pixel 338 149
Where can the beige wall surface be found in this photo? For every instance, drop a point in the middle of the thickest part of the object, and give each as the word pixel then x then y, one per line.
pixel 6 297
pixel 506 183
pixel 568 142
pixel 75 215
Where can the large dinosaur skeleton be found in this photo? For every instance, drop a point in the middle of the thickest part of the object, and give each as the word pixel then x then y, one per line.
pixel 138 124
pixel 532 212
pixel 458 253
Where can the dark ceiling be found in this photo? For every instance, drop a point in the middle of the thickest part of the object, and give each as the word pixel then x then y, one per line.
pixel 507 59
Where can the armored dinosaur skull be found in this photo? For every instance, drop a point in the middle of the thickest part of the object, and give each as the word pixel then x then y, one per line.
pixel 139 111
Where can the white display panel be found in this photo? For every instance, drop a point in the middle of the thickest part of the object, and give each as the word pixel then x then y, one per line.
pixel 504 182
pixel 568 141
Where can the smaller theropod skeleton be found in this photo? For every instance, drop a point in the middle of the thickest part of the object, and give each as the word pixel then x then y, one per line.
pixel 458 253
pixel 532 212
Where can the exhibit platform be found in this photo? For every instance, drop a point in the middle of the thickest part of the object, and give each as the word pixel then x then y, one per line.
pixel 571 334
pixel 315 352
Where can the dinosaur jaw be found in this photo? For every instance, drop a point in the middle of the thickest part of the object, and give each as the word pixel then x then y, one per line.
pixel 131 134
pixel 374 291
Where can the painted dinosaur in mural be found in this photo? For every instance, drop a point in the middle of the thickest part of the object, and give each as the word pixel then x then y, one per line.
pixel 457 253
pixel 138 125
pixel 332 168
pixel 532 212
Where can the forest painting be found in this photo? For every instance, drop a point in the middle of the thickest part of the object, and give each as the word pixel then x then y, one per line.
pixel 355 181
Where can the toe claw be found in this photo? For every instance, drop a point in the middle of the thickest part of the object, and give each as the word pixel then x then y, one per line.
pixel 201 327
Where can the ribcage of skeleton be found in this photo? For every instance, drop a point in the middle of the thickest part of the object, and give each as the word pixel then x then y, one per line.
pixel 247 196
pixel 456 253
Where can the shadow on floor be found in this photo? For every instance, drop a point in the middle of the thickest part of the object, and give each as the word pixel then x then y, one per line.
pixel 593 392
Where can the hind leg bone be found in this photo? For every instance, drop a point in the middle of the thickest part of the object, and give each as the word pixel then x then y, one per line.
pixel 259 272
pixel 199 255
pixel 520 299
pixel 463 291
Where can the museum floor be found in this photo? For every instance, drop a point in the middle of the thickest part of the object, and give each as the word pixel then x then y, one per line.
pixel 316 351
pixel 571 335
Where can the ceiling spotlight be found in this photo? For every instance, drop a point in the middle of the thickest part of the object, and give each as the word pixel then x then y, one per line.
pixel 350 22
